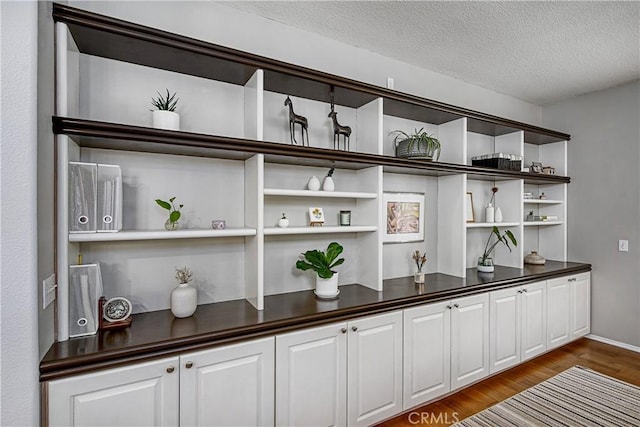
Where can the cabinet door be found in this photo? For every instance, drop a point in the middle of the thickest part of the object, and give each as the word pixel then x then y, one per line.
pixel 558 312
pixel 533 320
pixel 142 394
pixel 504 324
pixel 427 353
pixel 311 377
pixel 230 385
pixel 581 305
pixel 469 340
pixel 374 368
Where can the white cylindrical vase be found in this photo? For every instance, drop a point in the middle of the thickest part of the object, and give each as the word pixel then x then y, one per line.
pixel 327 288
pixel 184 300
pixel 498 215
pixel 163 119
pixel 489 213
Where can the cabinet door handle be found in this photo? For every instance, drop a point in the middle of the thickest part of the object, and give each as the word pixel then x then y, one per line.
pixel 449 307
pixel 189 365
pixel 343 330
pixel 354 328
pixel 524 290
pixel 170 369
pixel 520 291
pixel 573 279
pixel 456 305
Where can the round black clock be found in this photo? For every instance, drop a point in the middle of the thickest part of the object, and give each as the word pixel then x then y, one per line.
pixel 116 309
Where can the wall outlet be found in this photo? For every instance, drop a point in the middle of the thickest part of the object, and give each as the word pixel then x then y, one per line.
pixel 48 291
pixel 623 246
pixel 389 82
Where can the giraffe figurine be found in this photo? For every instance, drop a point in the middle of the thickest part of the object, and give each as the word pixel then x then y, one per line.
pixel 296 119
pixel 338 130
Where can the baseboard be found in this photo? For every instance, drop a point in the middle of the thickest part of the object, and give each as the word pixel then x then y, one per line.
pixel 613 342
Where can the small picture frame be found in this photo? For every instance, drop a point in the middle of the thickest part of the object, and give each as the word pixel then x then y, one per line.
pixel 405 217
pixel 536 167
pixel 316 217
pixel 471 217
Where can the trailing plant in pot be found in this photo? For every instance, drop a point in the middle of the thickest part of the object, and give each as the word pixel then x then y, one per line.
pixel 419 145
pixel 165 116
pixel 485 262
pixel 184 298
pixel 323 264
pixel 174 214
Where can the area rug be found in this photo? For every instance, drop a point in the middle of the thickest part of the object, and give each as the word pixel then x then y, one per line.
pixel 576 397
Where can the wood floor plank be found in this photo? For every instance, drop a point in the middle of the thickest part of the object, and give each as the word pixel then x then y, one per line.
pixel 610 360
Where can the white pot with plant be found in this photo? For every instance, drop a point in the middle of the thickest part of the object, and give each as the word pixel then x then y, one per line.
pixel 485 262
pixel 172 223
pixel 419 259
pixel 328 184
pixel 165 116
pixel 184 298
pixel 323 264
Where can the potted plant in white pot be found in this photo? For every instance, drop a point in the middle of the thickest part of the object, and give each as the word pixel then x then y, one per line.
pixel 165 116
pixel 323 264
pixel 419 145
pixel 184 298
pixel 485 262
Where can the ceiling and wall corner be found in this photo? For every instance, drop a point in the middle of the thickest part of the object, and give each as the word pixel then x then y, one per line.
pixel 538 51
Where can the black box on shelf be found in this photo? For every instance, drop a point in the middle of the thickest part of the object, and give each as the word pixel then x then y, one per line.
pixel 500 161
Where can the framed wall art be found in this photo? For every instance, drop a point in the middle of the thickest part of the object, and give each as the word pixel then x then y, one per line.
pixel 471 217
pixel 405 217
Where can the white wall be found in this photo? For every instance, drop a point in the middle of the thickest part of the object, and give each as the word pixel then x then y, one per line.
pixel 18 265
pixel 604 201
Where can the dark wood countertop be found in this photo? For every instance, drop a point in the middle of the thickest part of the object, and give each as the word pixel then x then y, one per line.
pixel 158 333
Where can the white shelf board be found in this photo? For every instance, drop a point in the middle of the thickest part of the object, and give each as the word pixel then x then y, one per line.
pixel 491 224
pixel 309 193
pixel 319 230
pixel 160 235
pixel 541 201
pixel 541 223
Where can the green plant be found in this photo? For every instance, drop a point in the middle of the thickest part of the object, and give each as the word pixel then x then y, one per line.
pixel 166 103
pixel 320 262
pixel 426 144
pixel 504 238
pixel 174 214
pixel 184 275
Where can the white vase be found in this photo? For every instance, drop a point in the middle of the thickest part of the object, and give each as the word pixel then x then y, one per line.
pixel 489 213
pixel 313 184
pixel 498 215
pixel 283 222
pixel 418 277
pixel 328 184
pixel 184 300
pixel 163 119
pixel 327 288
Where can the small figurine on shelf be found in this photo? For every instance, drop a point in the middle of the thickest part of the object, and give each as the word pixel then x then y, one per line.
pixel 296 119
pixel 338 130
pixel 542 196
pixel 328 184
pixel 420 259
pixel 283 222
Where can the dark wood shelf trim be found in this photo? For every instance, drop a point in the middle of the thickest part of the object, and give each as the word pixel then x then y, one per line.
pixel 363 92
pixel 137 138
pixel 399 294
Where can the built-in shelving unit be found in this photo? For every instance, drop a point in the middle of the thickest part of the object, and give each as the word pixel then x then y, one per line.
pixel 233 160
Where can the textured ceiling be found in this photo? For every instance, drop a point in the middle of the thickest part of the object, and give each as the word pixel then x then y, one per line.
pixel 541 52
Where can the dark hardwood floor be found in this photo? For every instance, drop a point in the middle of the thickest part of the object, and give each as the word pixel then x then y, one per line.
pixel 607 359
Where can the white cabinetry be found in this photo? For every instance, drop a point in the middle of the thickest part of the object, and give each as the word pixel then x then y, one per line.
pixel 144 394
pixel 344 373
pixel 230 385
pixel 558 312
pixel 517 324
pixel 446 346
pixel 580 305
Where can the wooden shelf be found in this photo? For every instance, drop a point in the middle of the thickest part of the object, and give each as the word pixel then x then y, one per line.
pixel 328 194
pixel 115 136
pixel 130 235
pixel 491 224
pixel 277 231
pixel 120 40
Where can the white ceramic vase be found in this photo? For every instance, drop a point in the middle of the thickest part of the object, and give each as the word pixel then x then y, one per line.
pixel 327 288
pixel 489 213
pixel 184 300
pixel 497 215
pixel 313 184
pixel 163 119
pixel 328 184
pixel 283 222
pixel 485 265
